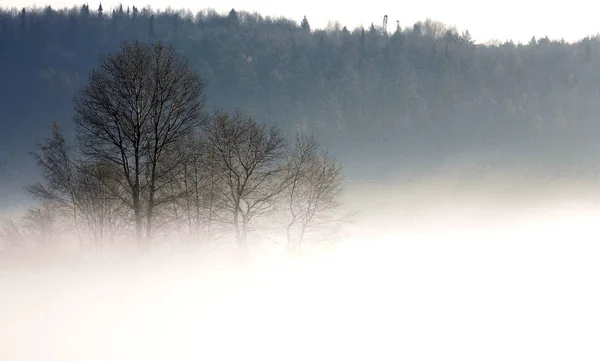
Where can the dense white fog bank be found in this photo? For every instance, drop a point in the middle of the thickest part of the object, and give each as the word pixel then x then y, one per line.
pixel 496 275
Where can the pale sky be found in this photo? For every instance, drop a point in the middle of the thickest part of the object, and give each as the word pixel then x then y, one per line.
pixel 509 19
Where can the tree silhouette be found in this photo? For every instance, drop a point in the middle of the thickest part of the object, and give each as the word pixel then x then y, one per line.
pixel 250 157
pixel 138 104
pixel 304 24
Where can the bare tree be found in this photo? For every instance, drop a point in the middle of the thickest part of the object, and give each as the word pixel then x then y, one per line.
pixel 137 105
pixel 59 177
pixel 198 182
pixel 82 192
pixel 12 235
pixel 211 189
pixel 313 190
pixel 250 159
pixel 39 228
pixel 43 225
pixel 103 213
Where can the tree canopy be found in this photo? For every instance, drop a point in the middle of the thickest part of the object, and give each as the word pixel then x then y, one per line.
pixel 424 91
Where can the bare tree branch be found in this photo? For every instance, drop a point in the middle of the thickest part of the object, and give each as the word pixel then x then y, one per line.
pixel 137 105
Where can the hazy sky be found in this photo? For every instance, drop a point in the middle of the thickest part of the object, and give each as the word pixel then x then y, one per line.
pixel 510 19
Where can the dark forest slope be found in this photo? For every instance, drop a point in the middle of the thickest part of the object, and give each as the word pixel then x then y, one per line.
pixel 385 99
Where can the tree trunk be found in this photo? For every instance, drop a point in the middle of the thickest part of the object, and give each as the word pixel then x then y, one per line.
pixel 288 232
pixel 244 235
pixel 236 223
pixel 79 237
pixel 210 214
pixel 149 216
pixel 138 218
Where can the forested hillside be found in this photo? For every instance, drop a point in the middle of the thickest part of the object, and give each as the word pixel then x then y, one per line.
pixel 395 96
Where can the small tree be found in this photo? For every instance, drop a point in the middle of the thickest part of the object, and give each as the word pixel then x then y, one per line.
pixel 304 24
pixel 12 237
pixel 202 190
pixel 372 30
pixel 59 177
pixel 313 191
pixel 84 193
pixel 250 165
pixel 102 212
pixel 43 225
pixel 233 16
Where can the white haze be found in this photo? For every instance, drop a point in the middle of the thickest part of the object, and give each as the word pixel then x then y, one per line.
pixel 450 270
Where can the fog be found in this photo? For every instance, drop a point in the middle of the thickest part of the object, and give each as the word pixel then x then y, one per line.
pixel 439 269
pixel 236 186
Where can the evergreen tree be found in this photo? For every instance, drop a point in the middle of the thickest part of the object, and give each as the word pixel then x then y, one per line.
pixel 23 22
pixel 233 16
pixel 467 37
pixel 151 32
pixel 533 41
pixel 588 52
pixel 372 29
pixel 417 27
pixel 304 24
pixel 85 10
